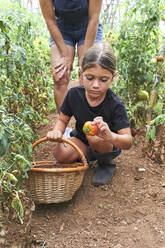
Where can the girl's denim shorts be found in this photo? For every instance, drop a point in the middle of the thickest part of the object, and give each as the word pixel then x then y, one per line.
pixel 75 35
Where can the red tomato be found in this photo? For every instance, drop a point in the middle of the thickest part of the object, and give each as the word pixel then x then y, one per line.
pixel 24 91
pixel 159 58
pixel 149 155
pixel 89 128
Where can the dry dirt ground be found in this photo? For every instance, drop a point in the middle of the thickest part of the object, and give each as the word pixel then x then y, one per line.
pixel 128 213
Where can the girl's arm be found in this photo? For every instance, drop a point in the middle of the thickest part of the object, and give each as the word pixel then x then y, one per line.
pixel 59 127
pixel 122 139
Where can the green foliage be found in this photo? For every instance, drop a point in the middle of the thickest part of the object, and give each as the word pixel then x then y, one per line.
pixel 24 63
pixel 157 121
pixel 25 94
pixel 15 142
pixel 136 42
pixel 74 73
pixel 15 153
pixel 17 204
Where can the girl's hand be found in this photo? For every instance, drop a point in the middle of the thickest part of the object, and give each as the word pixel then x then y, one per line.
pixel 103 129
pixel 54 135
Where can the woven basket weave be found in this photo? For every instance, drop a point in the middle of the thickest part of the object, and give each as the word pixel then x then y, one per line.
pixel 53 182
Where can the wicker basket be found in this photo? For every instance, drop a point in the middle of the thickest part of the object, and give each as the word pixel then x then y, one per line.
pixel 53 182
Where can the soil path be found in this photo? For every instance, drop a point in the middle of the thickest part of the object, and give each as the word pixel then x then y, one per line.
pixel 128 213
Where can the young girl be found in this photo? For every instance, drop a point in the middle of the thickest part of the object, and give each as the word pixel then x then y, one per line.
pixel 96 102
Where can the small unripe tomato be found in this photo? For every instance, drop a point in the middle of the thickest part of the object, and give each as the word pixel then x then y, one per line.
pixel 89 128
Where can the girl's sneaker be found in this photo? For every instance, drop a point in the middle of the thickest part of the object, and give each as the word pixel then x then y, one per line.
pixel 67 132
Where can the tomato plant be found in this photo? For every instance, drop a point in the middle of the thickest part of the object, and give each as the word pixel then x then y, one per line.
pixel 24 64
pixel 137 41
pixel 25 95
pixel 15 154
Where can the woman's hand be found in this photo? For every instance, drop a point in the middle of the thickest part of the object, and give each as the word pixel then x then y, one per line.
pixel 54 135
pixel 63 68
pixel 103 129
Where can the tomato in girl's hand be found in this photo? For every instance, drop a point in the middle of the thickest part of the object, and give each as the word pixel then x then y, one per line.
pixel 89 128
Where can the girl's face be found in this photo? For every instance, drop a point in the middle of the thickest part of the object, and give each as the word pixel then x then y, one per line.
pixel 96 81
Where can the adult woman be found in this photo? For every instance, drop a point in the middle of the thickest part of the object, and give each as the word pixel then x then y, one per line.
pixel 71 23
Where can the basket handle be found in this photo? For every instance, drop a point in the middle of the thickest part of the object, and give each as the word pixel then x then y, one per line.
pixel 81 154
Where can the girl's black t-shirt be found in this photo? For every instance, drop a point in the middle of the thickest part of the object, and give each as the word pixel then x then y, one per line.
pixel 112 110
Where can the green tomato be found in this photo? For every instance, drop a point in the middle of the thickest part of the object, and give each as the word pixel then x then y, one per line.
pixel 143 95
pixel 10 177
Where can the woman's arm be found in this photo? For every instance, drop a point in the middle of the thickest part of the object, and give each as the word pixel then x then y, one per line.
pixel 59 127
pixel 65 62
pixel 50 19
pixel 94 13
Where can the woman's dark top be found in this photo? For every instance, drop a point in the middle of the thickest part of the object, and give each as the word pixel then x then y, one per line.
pixel 71 12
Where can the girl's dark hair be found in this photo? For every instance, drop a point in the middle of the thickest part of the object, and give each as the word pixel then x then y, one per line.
pixel 101 54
